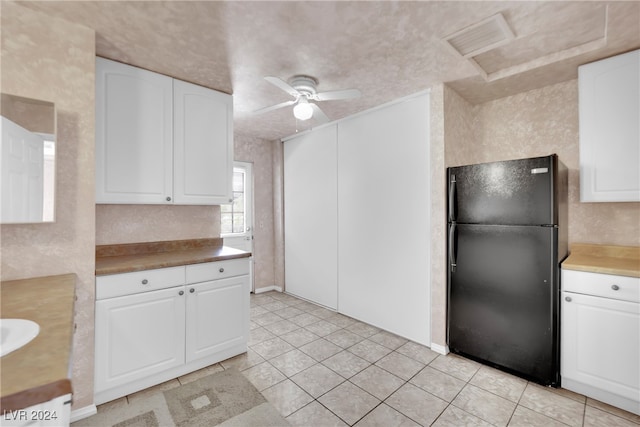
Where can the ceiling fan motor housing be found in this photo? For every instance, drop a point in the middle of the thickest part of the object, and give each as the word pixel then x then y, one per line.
pixel 306 85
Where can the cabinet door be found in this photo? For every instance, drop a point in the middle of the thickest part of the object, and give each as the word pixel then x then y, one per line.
pixel 138 336
pixel 134 134
pixel 203 145
pixel 601 343
pixel 217 316
pixel 609 132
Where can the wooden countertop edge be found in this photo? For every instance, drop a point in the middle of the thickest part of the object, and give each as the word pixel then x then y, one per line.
pixel 40 371
pixel 151 264
pixel 36 395
pixel 143 248
pixel 602 270
pixel 605 259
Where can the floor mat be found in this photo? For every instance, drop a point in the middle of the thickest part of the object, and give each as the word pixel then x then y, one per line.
pixel 225 398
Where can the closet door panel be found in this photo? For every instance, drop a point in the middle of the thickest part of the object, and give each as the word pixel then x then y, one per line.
pixel 310 212
pixel 383 218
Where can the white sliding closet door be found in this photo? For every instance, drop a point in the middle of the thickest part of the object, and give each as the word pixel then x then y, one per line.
pixel 383 218
pixel 310 216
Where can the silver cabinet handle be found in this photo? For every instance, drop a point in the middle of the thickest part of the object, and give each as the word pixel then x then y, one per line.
pixel 567 299
pixel 221 270
pixel 168 199
pixel 181 293
pixel 145 281
pixel 192 290
pixel 615 287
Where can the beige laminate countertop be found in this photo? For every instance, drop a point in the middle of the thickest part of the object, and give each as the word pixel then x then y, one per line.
pixel 39 371
pixel 125 258
pixel 619 260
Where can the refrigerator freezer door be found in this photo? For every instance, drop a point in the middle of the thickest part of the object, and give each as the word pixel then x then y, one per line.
pixel 503 298
pixel 515 192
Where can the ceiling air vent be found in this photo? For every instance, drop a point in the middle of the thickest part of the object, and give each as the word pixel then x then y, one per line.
pixel 481 37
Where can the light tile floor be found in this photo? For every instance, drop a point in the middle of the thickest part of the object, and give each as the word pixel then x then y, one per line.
pixel 321 368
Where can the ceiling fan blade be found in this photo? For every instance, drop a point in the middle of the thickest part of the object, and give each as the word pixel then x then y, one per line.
pixel 275 107
pixel 283 85
pixel 318 114
pixel 337 94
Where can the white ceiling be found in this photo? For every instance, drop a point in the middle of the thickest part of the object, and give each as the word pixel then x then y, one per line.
pixel 386 49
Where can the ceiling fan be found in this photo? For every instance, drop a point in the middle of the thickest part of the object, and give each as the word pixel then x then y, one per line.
pixel 303 89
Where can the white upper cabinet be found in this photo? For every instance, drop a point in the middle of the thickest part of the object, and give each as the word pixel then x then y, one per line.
pixel 202 145
pixel 134 134
pixel 610 129
pixel 160 140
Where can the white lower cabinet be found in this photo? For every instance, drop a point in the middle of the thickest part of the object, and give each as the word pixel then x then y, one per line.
pixel 138 336
pixel 210 308
pixel 200 317
pixel 601 337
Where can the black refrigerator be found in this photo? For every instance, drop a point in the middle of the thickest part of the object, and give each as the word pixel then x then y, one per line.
pixel 507 224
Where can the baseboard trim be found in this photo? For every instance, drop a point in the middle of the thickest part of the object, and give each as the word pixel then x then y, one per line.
pixel 622 402
pixel 442 349
pixel 87 411
pixel 267 289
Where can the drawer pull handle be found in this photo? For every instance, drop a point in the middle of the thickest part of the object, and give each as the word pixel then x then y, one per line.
pixel 192 290
pixel 615 287
pixel 145 281
pixel 221 270
pixel 181 293
pixel 567 299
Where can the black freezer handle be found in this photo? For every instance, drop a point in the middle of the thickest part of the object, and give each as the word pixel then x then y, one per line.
pixel 452 198
pixel 452 247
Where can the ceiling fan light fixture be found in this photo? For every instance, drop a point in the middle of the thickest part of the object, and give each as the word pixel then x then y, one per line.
pixel 303 110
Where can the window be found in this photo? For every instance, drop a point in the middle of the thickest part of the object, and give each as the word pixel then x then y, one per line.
pixel 232 215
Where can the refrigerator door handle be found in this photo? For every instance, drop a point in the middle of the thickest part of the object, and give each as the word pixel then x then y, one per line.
pixel 452 198
pixel 452 248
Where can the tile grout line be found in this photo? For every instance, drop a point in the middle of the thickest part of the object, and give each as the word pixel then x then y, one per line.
pixel 363 338
pixel 374 364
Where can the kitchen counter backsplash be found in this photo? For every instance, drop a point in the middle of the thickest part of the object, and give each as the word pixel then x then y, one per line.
pixel 125 258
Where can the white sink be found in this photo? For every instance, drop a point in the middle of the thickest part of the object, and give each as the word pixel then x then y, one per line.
pixel 15 333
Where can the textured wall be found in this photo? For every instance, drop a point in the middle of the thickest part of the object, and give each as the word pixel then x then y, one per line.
pixel 438 255
pixel 259 152
pixel 452 141
pixel 534 123
pixel 278 212
pixel 53 60
pixel 148 223
pixel 152 223
pixel 459 130
pixel 542 122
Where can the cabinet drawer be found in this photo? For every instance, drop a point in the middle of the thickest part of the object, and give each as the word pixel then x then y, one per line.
pixel 115 285
pixel 217 270
pixel 603 285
